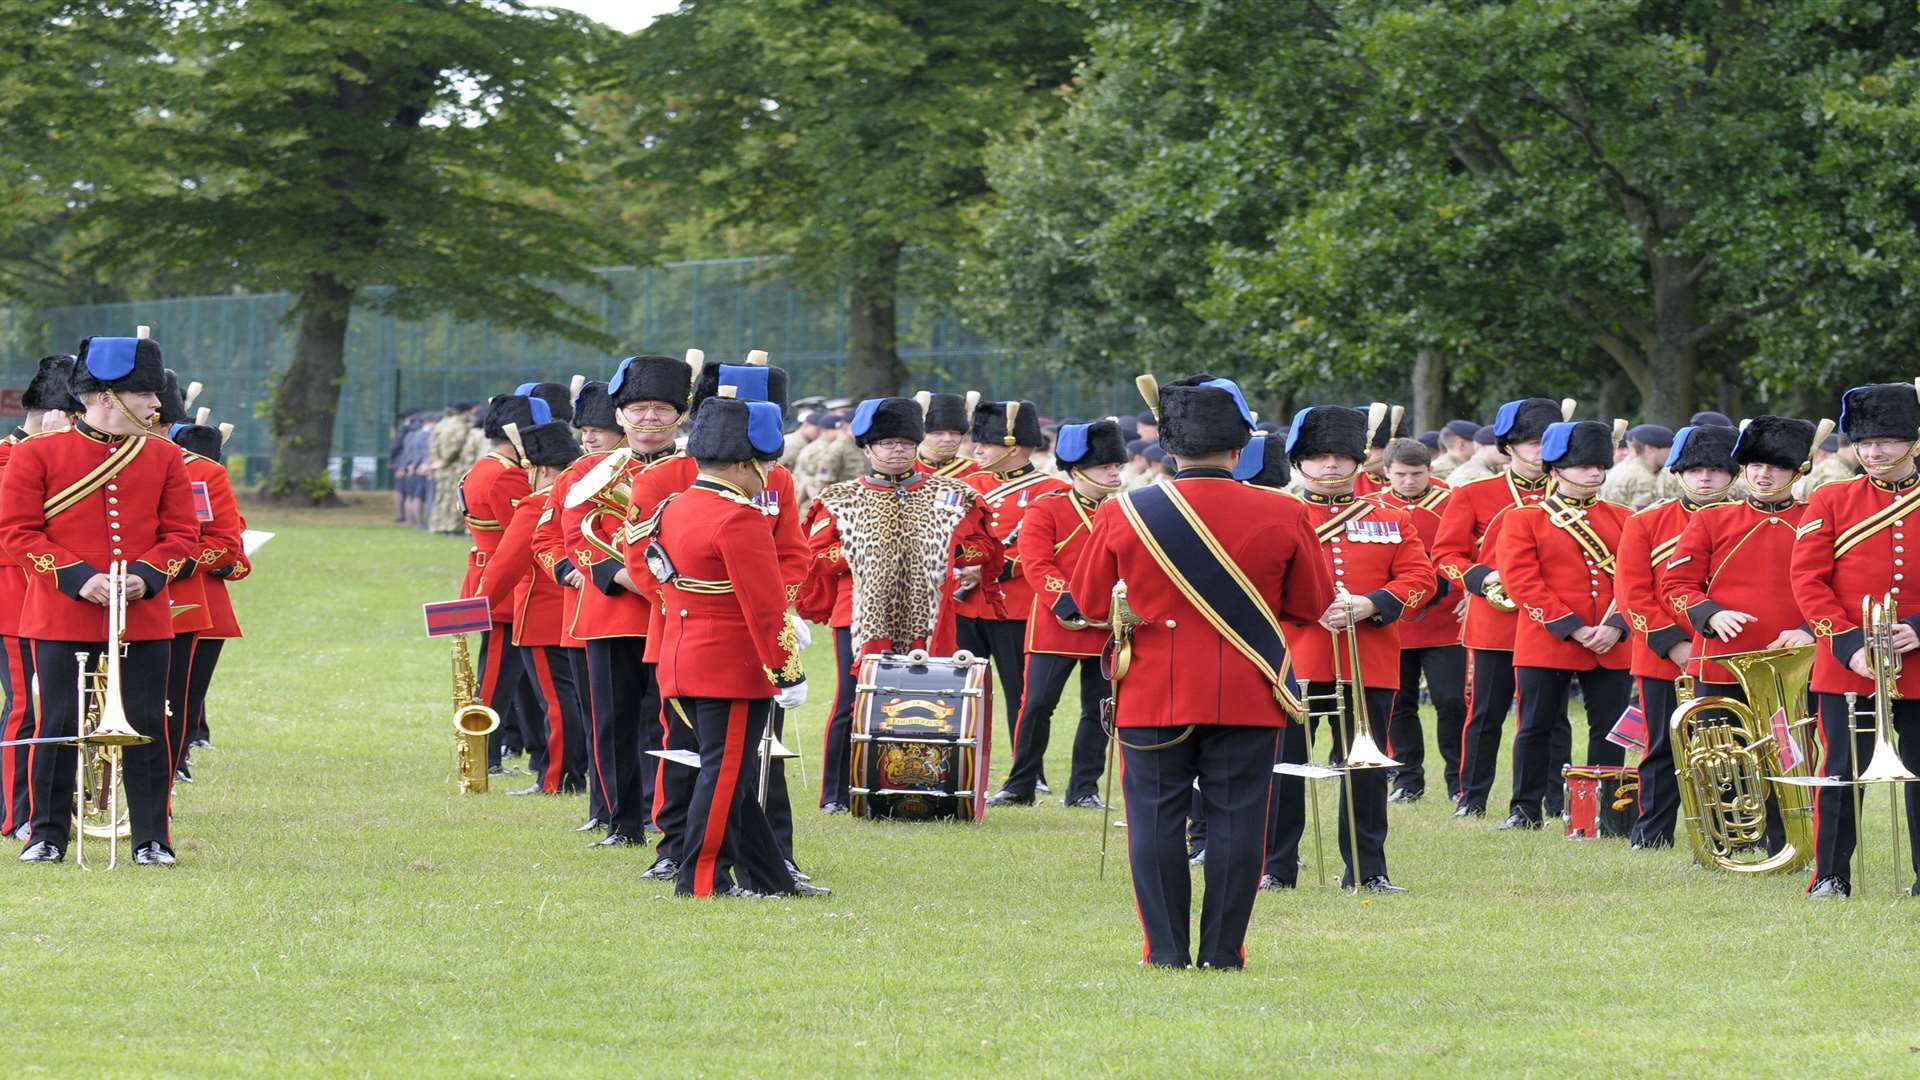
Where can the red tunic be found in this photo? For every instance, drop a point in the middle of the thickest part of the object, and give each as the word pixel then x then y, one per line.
pixel 1463 551
pixel 1646 543
pixel 1693 586
pixel 518 579
pixel 725 633
pixel 1183 671
pixel 1560 587
pixel 219 543
pixel 13 580
pixel 1432 623
pixel 1375 553
pixel 1006 499
pixel 553 547
pixel 1052 542
pixel 826 596
pixel 597 535
pixel 486 526
pixel 143 514
pixel 959 468
pixel 1852 544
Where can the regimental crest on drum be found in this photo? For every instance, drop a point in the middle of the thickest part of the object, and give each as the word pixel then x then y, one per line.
pixel 921 728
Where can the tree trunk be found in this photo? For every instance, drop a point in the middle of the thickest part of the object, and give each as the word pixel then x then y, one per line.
pixel 873 360
pixel 1673 364
pixel 1429 392
pixel 1615 390
pixel 308 397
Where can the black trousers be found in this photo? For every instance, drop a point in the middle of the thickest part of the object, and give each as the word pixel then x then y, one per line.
pixel 559 758
pixel 1445 669
pixel 1537 786
pixel 510 694
pixel 1287 820
pixel 673 782
pixel 779 805
pixel 1491 697
pixel 836 756
pixel 143 692
pixel 179 681
pixel 1659 789
pixel 1046 680
pixel 1234 768
pixel 625 701
pixel 16 673
pixel 1004 641
pixel 583 686
pixel 1776 827
pixel 206 657
pixel 727 832
pixel 1835 830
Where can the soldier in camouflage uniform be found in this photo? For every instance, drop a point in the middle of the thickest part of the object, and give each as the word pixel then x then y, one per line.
pixel 1640 480
pixel 446 451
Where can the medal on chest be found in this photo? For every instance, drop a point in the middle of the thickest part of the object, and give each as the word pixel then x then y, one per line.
pixel 1368 531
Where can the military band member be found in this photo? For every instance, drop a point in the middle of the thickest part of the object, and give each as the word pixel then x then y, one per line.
pixel 1060 640
pixel 1487 460
pixel 1641 479
pixel 649 396
pixel 72 503
pixel 208 444
pixel 1852 546
pixel 1212 566
pixel 516 579
pixel 47 404
pixel 895 538
pixel 1659 638
pixel 728 651
pixel 1380 571
pixel 1463 554
pixel 1557 558
pixel 186 593
pixel 948 417
pixel 1429 636
pixel 488 492
pixel 218 552
pixel 1005 435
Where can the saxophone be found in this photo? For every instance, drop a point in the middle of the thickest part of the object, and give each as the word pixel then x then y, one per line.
pixel 473 721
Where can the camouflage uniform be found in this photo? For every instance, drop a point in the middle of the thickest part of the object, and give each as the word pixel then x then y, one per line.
pixel 1470 470
pixel 445 454
pixel 1833 470
pixel 1631 483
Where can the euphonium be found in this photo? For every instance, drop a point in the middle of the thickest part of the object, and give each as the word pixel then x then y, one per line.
pixel 473 721
pixel 1724 752
pixel 606 484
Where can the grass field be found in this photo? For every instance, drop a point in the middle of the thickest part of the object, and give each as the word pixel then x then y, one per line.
pixel 339 910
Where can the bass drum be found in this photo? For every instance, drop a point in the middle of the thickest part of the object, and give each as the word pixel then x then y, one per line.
pixel 921 727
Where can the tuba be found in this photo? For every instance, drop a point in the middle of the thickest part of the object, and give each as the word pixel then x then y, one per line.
pixel 473 721
pixel 1725 754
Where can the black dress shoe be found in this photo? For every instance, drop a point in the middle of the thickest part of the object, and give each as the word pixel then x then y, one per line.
pixel 1197 858
pixel 533 789
pixel 1380 884
pixel 1041 787
pixel 808 888
pixel 1467 810
pixel 1404 795
pixel 496 770
pixel 1830 888
pixel 614 839
pixel 834 808
pixel 1269 883
pixel 153 853
pixel 182 776
pixel 592 824
pixel 1518 820
pixel 796 873
pixel 663 869
pixel 1008 798
pixel 1087 802
pixel 43 851
pixel 200 744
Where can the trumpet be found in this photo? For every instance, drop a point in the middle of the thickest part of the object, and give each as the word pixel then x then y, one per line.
pixel 473 721
pixel 1877 618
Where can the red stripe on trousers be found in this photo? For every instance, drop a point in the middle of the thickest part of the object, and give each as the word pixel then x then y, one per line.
pixel 660 764
pixel 722 804
pixel 16 723
pixel 500 637
pixel 556 720
pixel 1813 875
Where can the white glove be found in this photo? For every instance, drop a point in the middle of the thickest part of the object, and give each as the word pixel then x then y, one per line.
pixel 802 633
pixel 791 697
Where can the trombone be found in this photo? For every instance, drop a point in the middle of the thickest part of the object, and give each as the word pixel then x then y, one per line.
pixel 1884 765
pixel 1360 750
pixel 102 729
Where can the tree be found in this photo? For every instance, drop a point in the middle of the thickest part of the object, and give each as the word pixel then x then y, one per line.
pixel 1509 187
pixel 849 134
pixel 326 147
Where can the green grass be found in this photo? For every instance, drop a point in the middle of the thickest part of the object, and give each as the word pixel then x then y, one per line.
pixel 339 910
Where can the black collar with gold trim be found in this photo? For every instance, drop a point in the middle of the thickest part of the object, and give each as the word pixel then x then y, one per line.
pixel 1912 478
pixel 95 433
pixel 1319 499
pixel 1771 507
pixel 1015 474
pixel 1525 484
pixel 1204 472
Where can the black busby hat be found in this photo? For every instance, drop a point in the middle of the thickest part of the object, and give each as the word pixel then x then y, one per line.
pixel 593 408
pixel 728 430
pixel 1784 441
pixel 1703 446
pixel 1524 421
pixel 1880 411
pixel 652 378
pixel 1087 446
pixel 948 412
pixel 990 425
pixel 173 407
pixel 517 409
pixel 197 439
pixel 754 380
pixel 1203 415
pixel 1264 463
pixel 559 401
pixel 1327 429
pixel 550 444
pixel 133 365
pixel 887 418
pixel 47 390
pixel 1569 444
